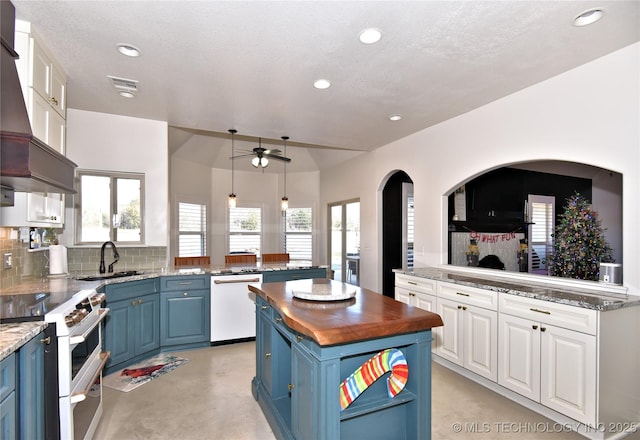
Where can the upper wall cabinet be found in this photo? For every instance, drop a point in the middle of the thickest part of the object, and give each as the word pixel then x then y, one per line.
pixel 44 86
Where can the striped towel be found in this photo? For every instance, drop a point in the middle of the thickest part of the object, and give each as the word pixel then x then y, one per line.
pixel 387 360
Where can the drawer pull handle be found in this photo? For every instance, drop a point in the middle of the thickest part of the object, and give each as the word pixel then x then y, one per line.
pixel 46 340
pixel 245 280
pixel 267 355
pixel 412 282
pixel 462 294
pixel 540 311
pixel 278 319
pixel 187 283
pixel 264 307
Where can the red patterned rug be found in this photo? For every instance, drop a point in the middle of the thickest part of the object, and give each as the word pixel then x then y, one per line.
pixel 138 374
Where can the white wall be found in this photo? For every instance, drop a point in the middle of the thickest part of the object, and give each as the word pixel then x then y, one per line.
pixel 99 141
pixel 589 114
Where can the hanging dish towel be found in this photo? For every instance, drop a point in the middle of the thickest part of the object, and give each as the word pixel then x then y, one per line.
pixel 387 360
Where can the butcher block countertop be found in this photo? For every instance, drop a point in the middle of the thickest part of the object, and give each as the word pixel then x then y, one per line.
pixel 368 315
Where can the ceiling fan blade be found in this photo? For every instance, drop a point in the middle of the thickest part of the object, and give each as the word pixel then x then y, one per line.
pixel 272 151
pixel 242 155
pixel 277 157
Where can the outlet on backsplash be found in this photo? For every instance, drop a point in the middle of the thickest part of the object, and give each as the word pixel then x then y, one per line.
pixel 7 262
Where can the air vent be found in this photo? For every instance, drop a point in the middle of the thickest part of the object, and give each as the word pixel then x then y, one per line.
pixel 123 84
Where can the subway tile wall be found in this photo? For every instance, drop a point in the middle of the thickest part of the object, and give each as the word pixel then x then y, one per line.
pixel 29 265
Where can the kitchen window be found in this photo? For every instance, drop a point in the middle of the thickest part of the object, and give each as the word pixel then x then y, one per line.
pixel 298 233
pixel 192 230
pixel 111 207
pixel 245 230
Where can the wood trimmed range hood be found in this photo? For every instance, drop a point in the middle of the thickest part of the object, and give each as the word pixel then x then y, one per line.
pixel 26 163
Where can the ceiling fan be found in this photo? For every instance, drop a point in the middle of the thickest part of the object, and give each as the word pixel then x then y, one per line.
pixel 262 155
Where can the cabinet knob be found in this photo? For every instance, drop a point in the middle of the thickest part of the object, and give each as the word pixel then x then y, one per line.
pixel 459 307
pixel 53 101
pixel 185 294
pixel 412 294
pixel 264 307
pixel 299 338
pixel 267 355
pixel 464 307
pixel 535 327
pixel 139 301
pixel 278 319
pixel 291 386
pixel 133 303
pixel 543 329
pixel 46 340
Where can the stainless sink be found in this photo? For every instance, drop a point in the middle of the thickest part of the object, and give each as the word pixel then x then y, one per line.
pixel 108 276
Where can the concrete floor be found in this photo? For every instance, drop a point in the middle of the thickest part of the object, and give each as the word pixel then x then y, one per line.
pixel 210 398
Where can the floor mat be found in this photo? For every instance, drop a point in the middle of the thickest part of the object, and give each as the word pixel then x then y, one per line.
pixel 138 374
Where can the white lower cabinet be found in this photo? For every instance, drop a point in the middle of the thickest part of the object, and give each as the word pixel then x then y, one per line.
pixel 469 336
pixel 547 363
pixel 421 293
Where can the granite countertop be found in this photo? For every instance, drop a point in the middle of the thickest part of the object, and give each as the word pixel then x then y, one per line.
pixel 594 300
pixel 13 336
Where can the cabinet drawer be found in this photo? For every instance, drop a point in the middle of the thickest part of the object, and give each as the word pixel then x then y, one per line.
pixel 131 289
pixel 424 285
pixel 181 282
pixel 487 299
pixel 7 376
pixel 562 315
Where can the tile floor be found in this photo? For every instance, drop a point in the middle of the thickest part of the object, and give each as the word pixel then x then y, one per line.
pixel 210 398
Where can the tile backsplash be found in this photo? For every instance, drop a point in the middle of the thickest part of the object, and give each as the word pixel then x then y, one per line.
pixel 34 264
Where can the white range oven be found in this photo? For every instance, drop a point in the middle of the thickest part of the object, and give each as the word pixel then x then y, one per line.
pixel 73 356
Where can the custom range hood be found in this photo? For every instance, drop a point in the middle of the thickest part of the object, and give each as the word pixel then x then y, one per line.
pixel 26 163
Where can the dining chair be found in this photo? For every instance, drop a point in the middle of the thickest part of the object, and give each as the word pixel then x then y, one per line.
pixel 275 258
pixel 192 261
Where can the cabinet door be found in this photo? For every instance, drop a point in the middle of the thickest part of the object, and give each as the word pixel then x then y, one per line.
pixel 519 356
pixel 450 344
pixel 404 296
pixel 304 412
pixel 481 341
pixel 264 353
pixel 58 91
pixel 568 373
pixel 41 71
pixel 8 408
pixel 147 323
pixel 118 332
pixel 184 317
pixel 31 389
pixel 45 208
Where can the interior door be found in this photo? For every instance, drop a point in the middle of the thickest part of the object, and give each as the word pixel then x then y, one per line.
pixel 344 242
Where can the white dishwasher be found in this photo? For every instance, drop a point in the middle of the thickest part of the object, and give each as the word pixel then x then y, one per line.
pixel 233 312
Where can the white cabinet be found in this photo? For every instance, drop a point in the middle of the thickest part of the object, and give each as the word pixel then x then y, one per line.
pixel 548 363
pixel 44 85
pixel 418 292
pixel 43 210
pixel 469 336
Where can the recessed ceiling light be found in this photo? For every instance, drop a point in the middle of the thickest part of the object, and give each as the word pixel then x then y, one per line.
pixel 370 36
pixel 126 94
pixel 395 117
pixel 587 17
pixel 128 50
pixel 322 84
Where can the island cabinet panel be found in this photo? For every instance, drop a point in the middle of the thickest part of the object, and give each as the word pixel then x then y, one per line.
pixel 274 276
pixel 297 378
pixel 185 311
pixel 8 407
pixel 132 328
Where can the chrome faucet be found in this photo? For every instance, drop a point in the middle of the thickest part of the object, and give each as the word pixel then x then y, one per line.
pixel 116 256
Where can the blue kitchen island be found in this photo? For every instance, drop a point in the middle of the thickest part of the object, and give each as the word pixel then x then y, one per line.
pixel 305 349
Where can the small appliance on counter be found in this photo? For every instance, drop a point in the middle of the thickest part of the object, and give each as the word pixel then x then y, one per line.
pixel 610 273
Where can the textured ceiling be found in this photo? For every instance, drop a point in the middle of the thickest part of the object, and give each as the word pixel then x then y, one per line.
pixel 207 66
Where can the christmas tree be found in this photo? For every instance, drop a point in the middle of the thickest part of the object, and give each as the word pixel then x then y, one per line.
pixel 579 243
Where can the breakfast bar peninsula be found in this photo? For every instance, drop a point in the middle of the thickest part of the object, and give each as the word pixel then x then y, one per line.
pixel 336 361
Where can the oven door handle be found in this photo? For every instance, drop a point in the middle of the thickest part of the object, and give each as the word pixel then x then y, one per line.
pixel 80 396
pixel 75 340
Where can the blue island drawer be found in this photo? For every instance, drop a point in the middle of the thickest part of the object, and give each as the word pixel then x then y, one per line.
pixel 130 289
pixel 7 376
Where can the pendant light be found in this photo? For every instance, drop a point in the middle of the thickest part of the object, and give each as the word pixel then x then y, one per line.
pixel 285 201
pixel 232 196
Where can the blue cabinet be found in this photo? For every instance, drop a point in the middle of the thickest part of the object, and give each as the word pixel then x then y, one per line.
pixel 273 276
pixel 31 389
pixel 185 310
pixel 132 328
pixel 8 409
pixel 297 385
